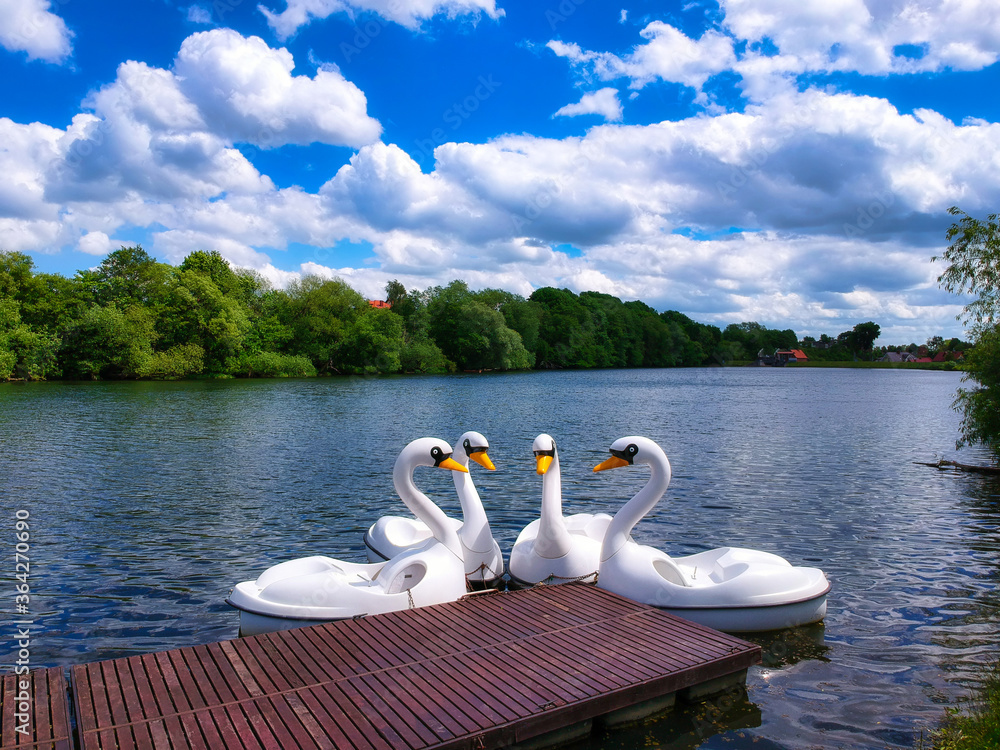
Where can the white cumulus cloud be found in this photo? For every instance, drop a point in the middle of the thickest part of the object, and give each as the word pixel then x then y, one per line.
pixel 31 26
pixel 668 55
pixel 781 40
pixel 199 14
pixel 871 36
pixel 96 243
pixel 603 102
pixel 247 92
pixel 408 13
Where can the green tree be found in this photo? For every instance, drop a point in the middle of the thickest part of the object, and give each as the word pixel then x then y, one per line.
pixel 519 314
pixel 130 276
pixel 321 314
pixel 863 336
pixel 471 333
pixel 974 268
pixel 973 259
pixel 401 303
pixel 109 343
pixel 177 362
pixel 567 336
pixel 980 405
pixel 373 343
pixel 24 353
pixel 197 312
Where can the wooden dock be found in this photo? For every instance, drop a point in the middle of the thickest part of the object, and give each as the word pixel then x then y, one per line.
pixel 485 672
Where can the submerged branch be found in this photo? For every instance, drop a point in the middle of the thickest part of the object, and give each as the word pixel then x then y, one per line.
pixel 944 464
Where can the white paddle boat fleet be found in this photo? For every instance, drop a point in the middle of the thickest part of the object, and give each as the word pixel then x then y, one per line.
pixel 433 559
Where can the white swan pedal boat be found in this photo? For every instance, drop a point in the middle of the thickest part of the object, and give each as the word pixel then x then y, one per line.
pixel 730 588
pixel 484 567
pixel 319 589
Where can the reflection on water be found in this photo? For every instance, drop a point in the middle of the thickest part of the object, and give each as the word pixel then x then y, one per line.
pixel 685 726
pixel 148 501
pixel 786 647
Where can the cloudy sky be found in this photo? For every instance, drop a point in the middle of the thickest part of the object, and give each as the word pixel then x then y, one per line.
pixel 784 161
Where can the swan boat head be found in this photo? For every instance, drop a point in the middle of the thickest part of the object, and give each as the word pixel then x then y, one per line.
pixel 544 448
pixel 474 446
pixel 545 550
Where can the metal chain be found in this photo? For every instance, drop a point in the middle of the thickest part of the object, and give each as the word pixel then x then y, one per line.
pixel 562 579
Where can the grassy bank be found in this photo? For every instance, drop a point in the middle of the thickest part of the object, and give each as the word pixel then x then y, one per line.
pixel 947 366
pixel 977 727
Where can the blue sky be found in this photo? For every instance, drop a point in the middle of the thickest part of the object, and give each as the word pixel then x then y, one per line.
pixel 785 161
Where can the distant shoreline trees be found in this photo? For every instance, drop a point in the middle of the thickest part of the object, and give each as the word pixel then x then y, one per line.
pixel 136 318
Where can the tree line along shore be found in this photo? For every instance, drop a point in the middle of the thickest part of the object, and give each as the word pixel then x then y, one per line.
pixel 134 317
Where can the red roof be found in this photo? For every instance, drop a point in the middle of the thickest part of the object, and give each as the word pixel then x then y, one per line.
pixel 379 303
pixel 924 359
pixel 799 354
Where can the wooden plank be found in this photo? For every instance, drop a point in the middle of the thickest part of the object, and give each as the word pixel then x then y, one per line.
pixel 227 730
pixel 247 736
pixel 299 733
pixel 8 719
pixel 350 720
pixel 224 669
pixel 41 724
pixel 268 662
pixel 426 711
pixel 102 706
pixel 465 693
pixel 299 641
pixel 437 690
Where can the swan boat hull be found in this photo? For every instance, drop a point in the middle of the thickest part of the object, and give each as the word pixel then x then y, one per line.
pixel 255 624
pixel 756 619
pixel 731 589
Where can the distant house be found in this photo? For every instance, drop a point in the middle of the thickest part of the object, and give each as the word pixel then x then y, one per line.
pixel 922 359
pixel 897 357
pixel 944 356
pixel 380 304
pixel 782 357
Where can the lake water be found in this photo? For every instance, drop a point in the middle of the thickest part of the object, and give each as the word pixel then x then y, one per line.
pixel 148 501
